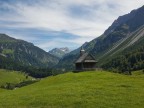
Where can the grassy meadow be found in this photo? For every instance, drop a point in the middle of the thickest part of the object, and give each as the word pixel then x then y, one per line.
pixel 8 76
pixel 10 80
pixel 93 89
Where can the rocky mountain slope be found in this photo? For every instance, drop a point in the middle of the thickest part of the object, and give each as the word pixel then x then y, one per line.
pixel 128 54
pixel 25 53
pixel 125 32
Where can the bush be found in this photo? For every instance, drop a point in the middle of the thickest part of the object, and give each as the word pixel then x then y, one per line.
pixel 11 86
pixel 25 83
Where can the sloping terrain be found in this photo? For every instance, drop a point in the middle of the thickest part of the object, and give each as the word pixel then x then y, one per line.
pixel 7 76
pixel 25 53
pixel 86 89
pixel 132 42
pixel 129 56
pixel 10 76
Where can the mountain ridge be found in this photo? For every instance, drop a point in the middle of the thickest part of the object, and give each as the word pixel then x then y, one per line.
pixel 25 52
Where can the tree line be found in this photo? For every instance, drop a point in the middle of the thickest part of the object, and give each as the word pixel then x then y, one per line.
pixel 129 61
pixel 37 72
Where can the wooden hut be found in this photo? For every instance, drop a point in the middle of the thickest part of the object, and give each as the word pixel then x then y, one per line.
pixel 85 62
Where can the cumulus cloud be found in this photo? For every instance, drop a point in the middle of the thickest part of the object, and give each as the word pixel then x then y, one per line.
pixel 84 19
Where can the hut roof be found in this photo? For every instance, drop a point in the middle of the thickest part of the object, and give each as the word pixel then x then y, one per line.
pixel 83 58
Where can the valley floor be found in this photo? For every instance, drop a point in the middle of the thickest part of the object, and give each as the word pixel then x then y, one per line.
pixel 79 90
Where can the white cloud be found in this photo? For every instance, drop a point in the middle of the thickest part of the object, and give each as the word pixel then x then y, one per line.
pixel 56 15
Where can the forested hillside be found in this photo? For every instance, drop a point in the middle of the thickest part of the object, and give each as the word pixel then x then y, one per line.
pixel 38 72
pixel 127 61
pixel 22 56
pixel 25 53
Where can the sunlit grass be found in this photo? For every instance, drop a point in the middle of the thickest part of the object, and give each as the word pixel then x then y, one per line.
pixel 7 76
pixel 80 90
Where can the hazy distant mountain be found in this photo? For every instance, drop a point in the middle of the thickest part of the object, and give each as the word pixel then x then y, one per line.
pixel 25 52
pixel 59 52
pixel 125 34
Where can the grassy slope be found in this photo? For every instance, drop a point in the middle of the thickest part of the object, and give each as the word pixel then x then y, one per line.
pixel 86 89
pixel 7 76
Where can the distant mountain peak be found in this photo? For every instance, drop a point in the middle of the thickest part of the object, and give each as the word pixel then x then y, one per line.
pixel 59 52
pixel 64 49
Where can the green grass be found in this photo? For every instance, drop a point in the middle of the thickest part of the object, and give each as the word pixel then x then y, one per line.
pixel 15 77
pixel 7 51
pixel 79 90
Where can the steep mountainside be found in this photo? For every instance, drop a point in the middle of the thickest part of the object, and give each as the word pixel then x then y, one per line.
pixel 127 55
pixel 59 52
pixel 25 53
pixel 126 31
pixel 119 21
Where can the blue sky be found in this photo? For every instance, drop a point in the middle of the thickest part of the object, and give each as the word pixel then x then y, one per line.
pixel 61 23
